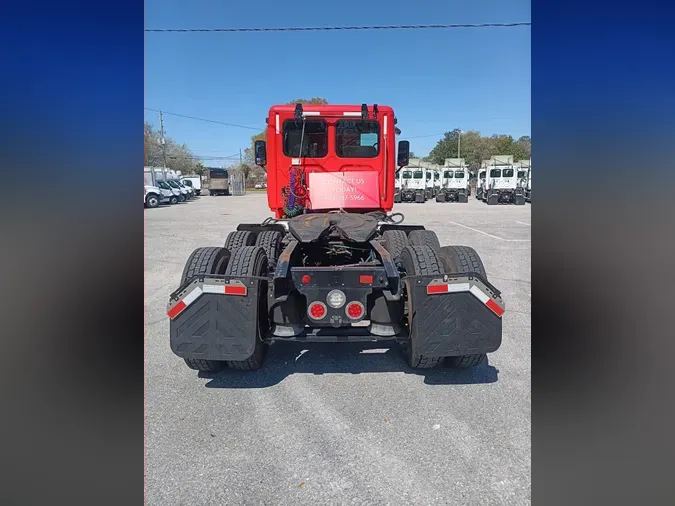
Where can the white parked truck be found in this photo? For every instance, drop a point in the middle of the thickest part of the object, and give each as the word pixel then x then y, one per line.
pixel 501 183
pixel 481 180
pixel 413 182
pixel 194 182
pixel 525 178
pixel 153 196
pixel 455 181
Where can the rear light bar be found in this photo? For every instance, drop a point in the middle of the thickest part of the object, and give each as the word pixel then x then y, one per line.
pixel 234 287
pixel 435 288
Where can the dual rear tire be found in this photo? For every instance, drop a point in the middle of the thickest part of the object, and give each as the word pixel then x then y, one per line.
pixel 246 260
pixel 423 257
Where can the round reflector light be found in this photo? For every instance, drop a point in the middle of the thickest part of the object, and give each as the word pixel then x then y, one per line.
pixel 306 279
pixel 355 310
pixel 317 310
pixel 336 299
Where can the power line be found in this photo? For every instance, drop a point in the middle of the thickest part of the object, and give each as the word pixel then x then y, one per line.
pixel 335 28
pixel 204 119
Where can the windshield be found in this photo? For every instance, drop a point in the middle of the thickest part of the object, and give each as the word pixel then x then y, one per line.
pixel 508 173
pixel 496 173
pixel 218 174
pixel 314 138
pixel 428 176
pixel 418 174
pixel 173 183
pixel 459 174
pixel 187 182
pixel 437 175
pixel 447 174
pixel 481 174
pixel 522 174
pixel 357 139
pixel 407 174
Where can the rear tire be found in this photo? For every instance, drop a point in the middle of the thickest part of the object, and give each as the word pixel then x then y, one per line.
pixel 252 261
pixel 465 361
pixel 197 364
pixel 462 259
pixel 394 242
pixel 425 238
pixel 419 260
pixel 239 239
pixel 210 260
pixel 270 241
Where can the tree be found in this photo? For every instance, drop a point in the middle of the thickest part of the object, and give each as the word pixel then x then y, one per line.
pixel 476 148
pixel 178 156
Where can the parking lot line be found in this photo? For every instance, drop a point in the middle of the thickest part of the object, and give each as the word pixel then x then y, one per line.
pixel 489 235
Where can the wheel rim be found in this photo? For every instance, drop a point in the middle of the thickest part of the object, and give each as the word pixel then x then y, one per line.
pixel 152 201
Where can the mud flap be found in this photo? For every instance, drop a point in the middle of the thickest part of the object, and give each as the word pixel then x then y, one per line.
pixel 454 315
pixel 215 318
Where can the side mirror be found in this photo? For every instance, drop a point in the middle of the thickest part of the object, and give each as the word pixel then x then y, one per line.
pixel 260 150
pixel 403 157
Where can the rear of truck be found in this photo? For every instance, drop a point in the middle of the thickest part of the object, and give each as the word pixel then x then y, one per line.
pixel 333 266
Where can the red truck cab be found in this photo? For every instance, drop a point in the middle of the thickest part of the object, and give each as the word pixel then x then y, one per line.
pixel 323 157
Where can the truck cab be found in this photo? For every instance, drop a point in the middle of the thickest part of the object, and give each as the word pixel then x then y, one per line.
pixel 454 181
pixel 182 192
pixel 153 196
pixel 194 182
pixel 502 185
pixel 169 192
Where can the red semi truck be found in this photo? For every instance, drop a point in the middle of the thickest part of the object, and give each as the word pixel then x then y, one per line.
pixel 333 264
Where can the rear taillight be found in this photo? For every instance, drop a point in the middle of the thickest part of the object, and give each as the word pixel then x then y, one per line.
pixel 317 310
pixel 355 310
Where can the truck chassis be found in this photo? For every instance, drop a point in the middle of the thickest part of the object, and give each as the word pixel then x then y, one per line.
pixel 334 277
pixel 506 196
pixel 452 195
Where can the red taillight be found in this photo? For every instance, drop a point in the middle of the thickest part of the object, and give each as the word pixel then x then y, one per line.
pixel 317 310
pixel 366 279
pixel 355 310
pixel 306 279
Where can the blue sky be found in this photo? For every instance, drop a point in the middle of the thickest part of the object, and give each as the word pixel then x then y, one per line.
pixel 436 80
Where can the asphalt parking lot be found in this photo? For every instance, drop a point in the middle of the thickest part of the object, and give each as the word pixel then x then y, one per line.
pixel 339 424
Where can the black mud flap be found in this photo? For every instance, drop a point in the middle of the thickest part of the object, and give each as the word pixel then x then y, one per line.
pixel 454 315
pixel 215 317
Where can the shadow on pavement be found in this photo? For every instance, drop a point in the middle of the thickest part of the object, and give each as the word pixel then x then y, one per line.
pixel 285 359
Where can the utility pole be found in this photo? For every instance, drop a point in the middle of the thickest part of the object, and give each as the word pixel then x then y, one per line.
pixel 161 141
pixel 243 174
pixel 459 143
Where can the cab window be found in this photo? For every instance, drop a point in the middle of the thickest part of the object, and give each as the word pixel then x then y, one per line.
pixel 508 173
pixel 496 173
pixel 459 174
pixel 448 174
pixel 357 139
pixel 406 174
pixel 314 138
pixel 418 174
